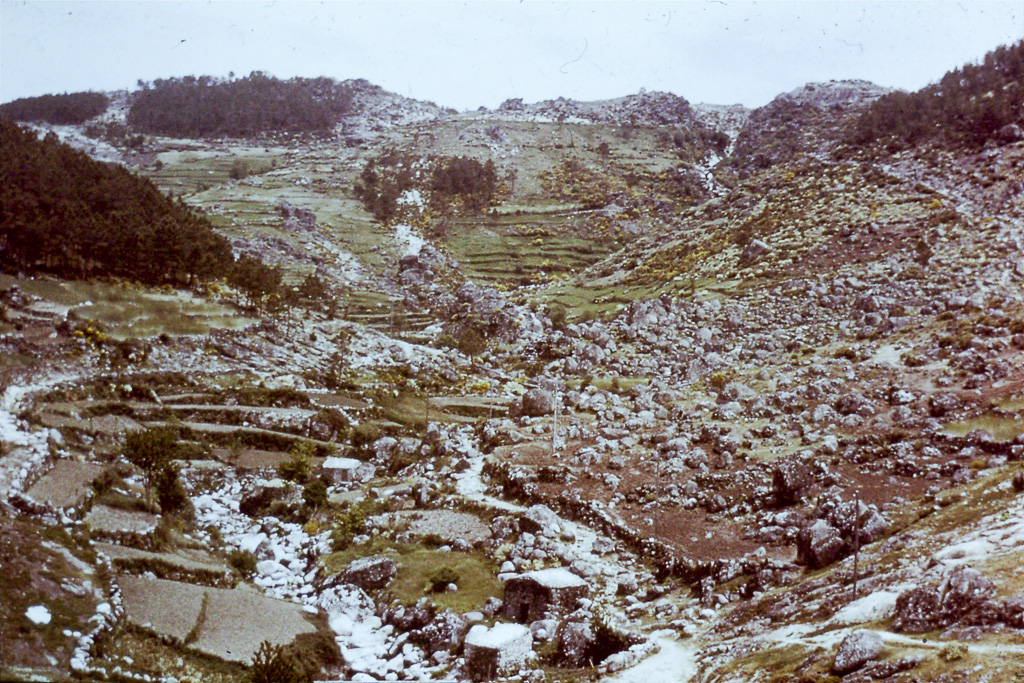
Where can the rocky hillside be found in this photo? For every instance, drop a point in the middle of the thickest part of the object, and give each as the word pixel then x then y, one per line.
pixel 703 394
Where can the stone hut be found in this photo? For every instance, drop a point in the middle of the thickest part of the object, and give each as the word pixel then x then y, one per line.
pixel 340 470
pixel 529 596
pixel 491 652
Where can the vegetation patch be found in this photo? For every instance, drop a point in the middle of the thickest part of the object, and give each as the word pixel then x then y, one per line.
pixel 416 568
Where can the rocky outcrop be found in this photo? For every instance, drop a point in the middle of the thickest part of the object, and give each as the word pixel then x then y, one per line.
pixel 371 573
pixel 962 596
pixel 856 650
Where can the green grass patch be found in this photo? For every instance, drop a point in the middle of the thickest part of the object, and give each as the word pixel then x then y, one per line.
pixel 1001 427
pixel 416 564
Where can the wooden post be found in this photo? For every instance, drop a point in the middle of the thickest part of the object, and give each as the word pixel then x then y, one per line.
pixel 856 541
pixel 554 426
pixel 657 510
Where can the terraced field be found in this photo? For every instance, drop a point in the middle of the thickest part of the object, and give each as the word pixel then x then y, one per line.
pixel 531 250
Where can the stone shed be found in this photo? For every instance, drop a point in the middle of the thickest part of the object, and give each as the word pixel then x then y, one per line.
pixel 341 470
pixel 529 596
pixel 491 652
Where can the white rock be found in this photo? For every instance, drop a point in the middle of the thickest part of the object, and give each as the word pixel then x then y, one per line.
pixel 38 614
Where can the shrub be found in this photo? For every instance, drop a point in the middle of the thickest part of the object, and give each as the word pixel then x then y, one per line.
pixel 314 493
pixel 272 664
pixel 165 533
pixel 239 170
pixel 718 380
pixel 845 352
pixel 300 466
pixel 108 479
pixel 150 450
pixel 953 652
pixel 171 494
pixel 242 561
pixel 471 341
pixel 216 537
pixel 190 450
pixel 349 524
pixel 364 435
pixel 311 653
pixel 255 504
pixel 557 313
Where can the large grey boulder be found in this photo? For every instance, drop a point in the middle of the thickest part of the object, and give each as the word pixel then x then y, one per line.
pixel 819 544
pixel 575 641
pixel 371 573
pixel 444 632
pixel 540 519
pixel 856 650
pixel 537 402
pixel 790 480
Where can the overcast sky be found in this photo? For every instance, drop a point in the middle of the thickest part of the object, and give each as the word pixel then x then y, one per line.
pixel 467 54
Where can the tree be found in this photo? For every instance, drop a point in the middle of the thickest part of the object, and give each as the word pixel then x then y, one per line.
pixel 151 451
pixel 255 104
pixel 65 213
pixel 171 494
pixel 66 109
pixel 314 493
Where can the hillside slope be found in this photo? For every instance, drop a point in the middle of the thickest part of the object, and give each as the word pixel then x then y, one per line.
pixel 754 389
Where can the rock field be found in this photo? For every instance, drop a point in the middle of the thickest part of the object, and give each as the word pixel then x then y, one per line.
pixel 770 417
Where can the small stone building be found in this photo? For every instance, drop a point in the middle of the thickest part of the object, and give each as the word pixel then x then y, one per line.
pixel 340 470
pixel 491 652
pixel 529 596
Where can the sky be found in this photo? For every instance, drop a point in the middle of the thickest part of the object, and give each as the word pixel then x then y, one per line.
pixel 470 54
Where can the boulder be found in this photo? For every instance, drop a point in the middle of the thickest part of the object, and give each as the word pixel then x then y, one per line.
pixel 940 405
pixel 737 391
pixel 444 632
pixel 856 650
pixel 537 402
pixel 577 638
pixel 790 481
pixel 1011 132
pixel 754 250
pixel 963 594
pixel 501 649
pixel 540 519
pixel 502 528
pixel 819 544
pixel 371 573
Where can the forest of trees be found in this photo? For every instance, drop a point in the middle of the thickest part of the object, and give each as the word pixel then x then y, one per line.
pixel 63 110
pixel 967 107
pixel 61 212
pixel 204 106
pixel 450 180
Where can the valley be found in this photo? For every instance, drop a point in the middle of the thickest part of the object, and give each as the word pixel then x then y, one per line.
pixel 698 394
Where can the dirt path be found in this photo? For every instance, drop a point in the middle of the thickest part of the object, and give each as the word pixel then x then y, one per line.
pixel 674 662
